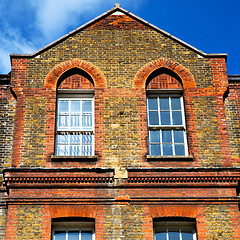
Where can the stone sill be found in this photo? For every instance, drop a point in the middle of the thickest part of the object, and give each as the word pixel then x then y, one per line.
pixel 74 158
pixel 169 158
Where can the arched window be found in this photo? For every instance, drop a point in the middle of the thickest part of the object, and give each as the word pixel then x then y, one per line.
pixel 165 111
pixel 75 114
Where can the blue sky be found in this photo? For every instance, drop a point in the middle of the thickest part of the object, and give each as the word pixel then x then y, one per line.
pixel 212 26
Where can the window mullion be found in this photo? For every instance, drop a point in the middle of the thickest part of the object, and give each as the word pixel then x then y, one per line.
pixel 180 233
pixel 167 234
pixel 173 145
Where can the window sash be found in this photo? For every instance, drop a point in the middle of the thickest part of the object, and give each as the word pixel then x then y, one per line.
pixel 162 104
pixel 75 139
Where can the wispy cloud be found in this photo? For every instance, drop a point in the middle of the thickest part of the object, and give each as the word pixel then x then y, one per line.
pixel 27 25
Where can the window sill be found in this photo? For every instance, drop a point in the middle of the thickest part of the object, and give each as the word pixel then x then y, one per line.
pixel 74 158
pixel 170 158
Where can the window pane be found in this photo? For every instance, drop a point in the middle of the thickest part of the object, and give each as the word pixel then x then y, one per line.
pixel 62 150
pixel 86 235
pixel 86 107
pixel 60 235
pixel 63 122
pixel 165 118
pixel 167 149
pixel 155 150
pixel 87 122
pixel 152 104
pixel 153 118
pixel 164 103
pixel 75 107
pixel 179 150
pixel 160 236
pixel 73 235
pixel 87 139
pixel 63 107
pixel 178 136
pixel 173 235
pixel 75 138
pixel 176 103
pixel 75 122
pixel 86 150
pixel 177 118
pixel 154 136
pixel 187 236
pixel 166 136
pixel 62 138
pixel 75 150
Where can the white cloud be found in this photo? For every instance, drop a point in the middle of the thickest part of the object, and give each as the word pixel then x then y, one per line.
pixel 27 25
pixel 53 17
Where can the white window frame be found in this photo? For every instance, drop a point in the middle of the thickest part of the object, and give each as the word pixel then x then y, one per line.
pixel 175 224
pixel 73 226
pixel 169 94
pixel 66 94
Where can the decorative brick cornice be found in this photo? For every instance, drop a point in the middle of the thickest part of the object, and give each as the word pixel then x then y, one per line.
pixel 144 72
pixel 95 73
pixel 209 180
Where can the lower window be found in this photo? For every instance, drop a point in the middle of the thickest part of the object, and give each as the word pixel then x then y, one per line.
pixel 73 230
pixel 174 230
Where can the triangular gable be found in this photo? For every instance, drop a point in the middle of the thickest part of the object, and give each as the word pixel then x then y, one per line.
pixel 117 10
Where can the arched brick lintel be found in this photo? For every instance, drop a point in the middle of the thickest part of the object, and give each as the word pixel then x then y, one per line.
pixel 53 76
pixel 174 211
pixel 60 211
pixel 143 73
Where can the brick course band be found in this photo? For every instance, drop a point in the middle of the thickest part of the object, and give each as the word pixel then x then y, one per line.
pixel 53 76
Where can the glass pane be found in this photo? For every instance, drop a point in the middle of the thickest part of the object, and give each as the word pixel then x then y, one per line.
pixel 178 136
pixel 154 136
pixel 75 122
pixel 177 118
pixel 75 150
pixel 173 235
pixel 63 122
pixel 152 104
pixel 176 103
pixel 62 150
pixel 87 122
pixel 60 235
pixel 75 107
pixel 167 149
pixel 187 236
pixel 87 150
pixel 166 136
pixel 63 107
pixel 153 118
pixel 179 150
pixel 86 235
pixel 160 236
pixel 86 139
pixel 62 138
pixel 73 235
pixel 86 107
pixel 75 138
pixel 164 103
pixel 155 150
pixel 165 118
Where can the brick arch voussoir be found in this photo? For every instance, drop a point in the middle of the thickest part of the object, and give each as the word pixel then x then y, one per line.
pixel 54 74
pixel 143 73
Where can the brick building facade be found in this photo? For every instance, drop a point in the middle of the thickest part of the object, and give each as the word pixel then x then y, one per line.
pixel 119 130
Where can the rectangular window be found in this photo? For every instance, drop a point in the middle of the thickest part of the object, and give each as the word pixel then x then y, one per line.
pixel 73 231
pixel 75 127
pixel 166 125
pixel 174 230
